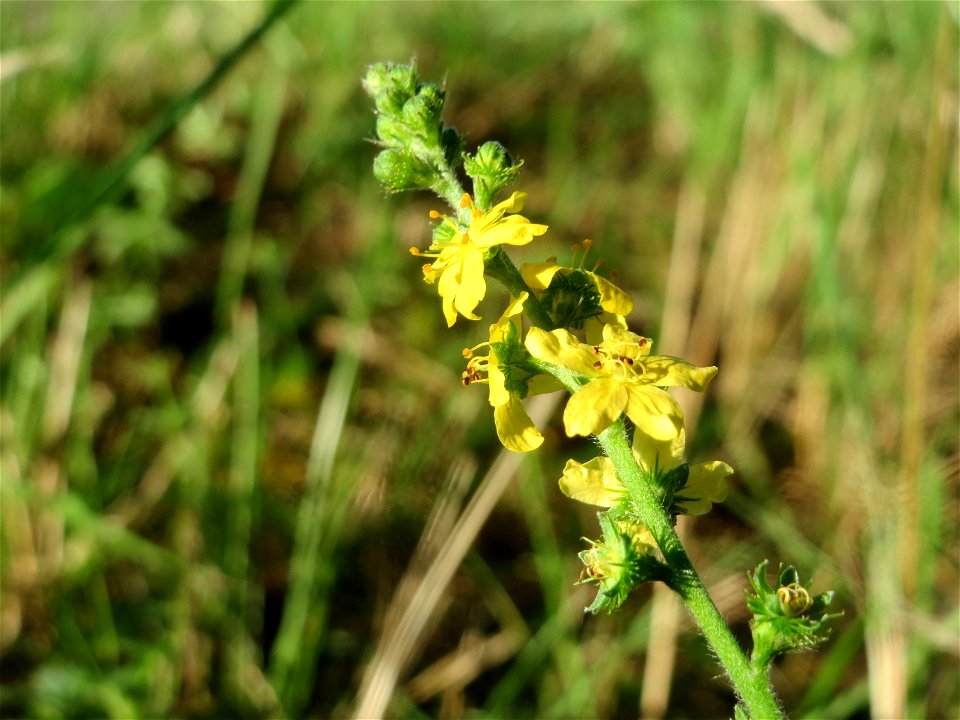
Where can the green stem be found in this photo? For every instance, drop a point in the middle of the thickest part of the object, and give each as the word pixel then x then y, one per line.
pixel 753 687
pixel 448 187
pixel 501 267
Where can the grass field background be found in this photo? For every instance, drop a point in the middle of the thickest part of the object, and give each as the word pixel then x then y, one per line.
pixel 240 477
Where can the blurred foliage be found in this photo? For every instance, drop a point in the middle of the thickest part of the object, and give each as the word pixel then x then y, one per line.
pixel 233 433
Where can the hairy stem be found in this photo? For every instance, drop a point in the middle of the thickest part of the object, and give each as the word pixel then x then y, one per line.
pixel 753 687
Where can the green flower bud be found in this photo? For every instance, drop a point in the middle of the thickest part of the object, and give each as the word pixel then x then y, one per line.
pixel 491 168
pixel 421 115
pixel 787 618
pixel 399 171
pixel 392 132
pixel 390 86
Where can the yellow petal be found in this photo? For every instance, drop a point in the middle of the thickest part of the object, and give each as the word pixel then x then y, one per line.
pixel 594 482
pixel 612 299
pixel 560 347
pixel 513 230
pixel 542 384
pixel 472 285
pixel 658 453
pixel 498 330
pixel 706 484
pixel 447 287
pixel 594 407
pixel 515 428
pixel 497 383
pixel 593 326
pixel 512 204
pixel 674 372
pixel 539 275
pixel 653 411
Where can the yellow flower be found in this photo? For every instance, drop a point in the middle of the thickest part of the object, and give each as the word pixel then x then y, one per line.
pixel 595 482
pixel 614 303
pixel 622 377
pixel 459 259
pixel 514 426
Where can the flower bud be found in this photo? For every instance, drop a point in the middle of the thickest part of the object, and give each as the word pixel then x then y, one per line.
pixel 787 618
pixel 400 171
pixel 491 168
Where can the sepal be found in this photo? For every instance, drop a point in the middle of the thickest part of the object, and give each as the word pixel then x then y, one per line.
pixel 621 561
pixel 786 618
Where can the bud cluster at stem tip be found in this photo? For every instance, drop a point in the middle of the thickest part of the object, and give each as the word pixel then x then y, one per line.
pixel 419 151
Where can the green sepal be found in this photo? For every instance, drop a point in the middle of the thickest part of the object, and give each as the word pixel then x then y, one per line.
pixel 572 298
pixel 443 233
pixel 786 618
pixel 514 358
pixel 618 563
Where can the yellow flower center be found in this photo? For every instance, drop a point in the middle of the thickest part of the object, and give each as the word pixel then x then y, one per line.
pixel 621 360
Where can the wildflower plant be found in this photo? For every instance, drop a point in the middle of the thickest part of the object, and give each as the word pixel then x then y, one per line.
pixel 565 328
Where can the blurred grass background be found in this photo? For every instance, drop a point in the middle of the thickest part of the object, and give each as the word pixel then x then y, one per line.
pixel 239 475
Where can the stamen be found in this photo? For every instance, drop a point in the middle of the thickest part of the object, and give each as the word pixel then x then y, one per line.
pixel 466 201
pixel 467 353
pixel 435 215
pixel 597 365
pixel 415 251
pixel 587 244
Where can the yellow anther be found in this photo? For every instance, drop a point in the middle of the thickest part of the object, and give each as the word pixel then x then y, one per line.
pixel 435 215
pixel 414 251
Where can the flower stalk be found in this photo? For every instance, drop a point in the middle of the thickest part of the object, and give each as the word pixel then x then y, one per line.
pixel 576 338
pixel 752 687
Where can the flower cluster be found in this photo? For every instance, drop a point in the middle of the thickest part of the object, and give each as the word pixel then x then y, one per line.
pixel 565 327
pixel 610 371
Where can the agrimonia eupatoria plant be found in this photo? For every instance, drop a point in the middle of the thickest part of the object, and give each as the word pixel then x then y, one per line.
pixel 565 328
